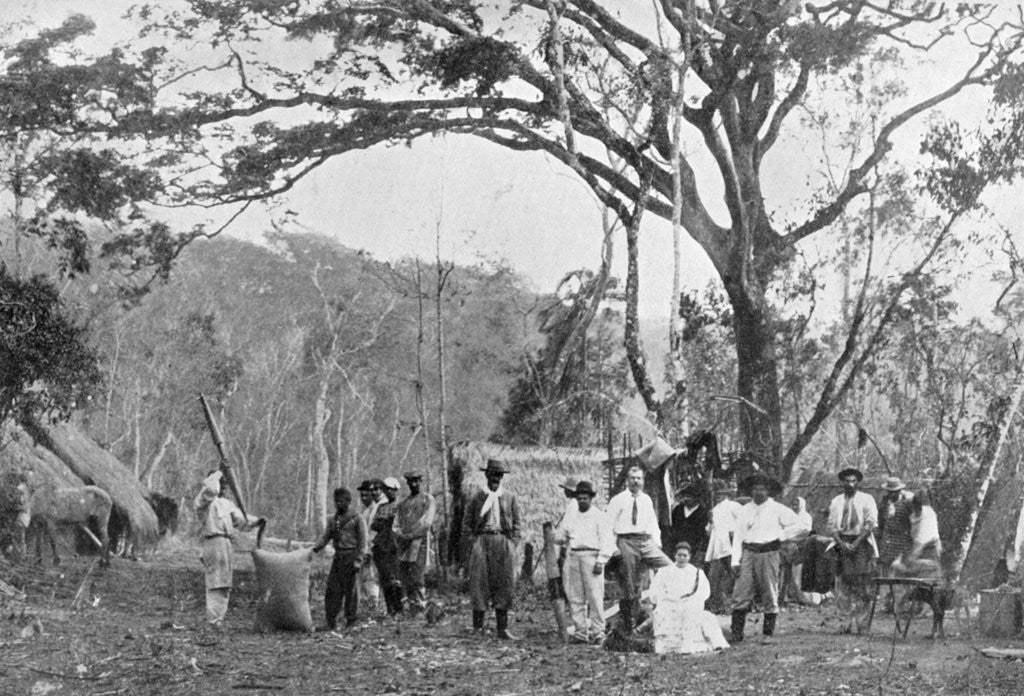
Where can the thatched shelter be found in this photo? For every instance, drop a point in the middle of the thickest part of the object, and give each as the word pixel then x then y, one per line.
pixel 999 527
pixel 95 466
pixel 536 473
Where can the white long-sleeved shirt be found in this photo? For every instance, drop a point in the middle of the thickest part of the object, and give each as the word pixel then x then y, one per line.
pixel 620 512
pixel 587 530
pixel 762 524
pixel 724 518
pixel 864 515
pixel 924 528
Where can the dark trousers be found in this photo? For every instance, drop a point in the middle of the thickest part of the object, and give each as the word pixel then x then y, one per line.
pixel 342 588
pixel 412 575
pixel 721 581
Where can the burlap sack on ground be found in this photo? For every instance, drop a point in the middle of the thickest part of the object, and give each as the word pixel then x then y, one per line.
pixel 282 581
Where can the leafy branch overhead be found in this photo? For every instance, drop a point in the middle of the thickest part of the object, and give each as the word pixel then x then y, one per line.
pixel 598 87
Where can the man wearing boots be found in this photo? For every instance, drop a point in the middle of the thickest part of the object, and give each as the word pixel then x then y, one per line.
pixel 385 550
pixel 852 518
pixel 762 525
pixel 491 519
pixel 413 520
pixel 637 536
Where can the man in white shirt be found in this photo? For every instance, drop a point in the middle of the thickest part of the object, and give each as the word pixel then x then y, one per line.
pixel 852 519
pixel 636 534
pixel 718 558
pixel 219 519
pixel 762 525
pixel 586 534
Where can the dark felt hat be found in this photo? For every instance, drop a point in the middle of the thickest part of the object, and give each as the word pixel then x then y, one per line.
pixel 692 490
pixel 759 478
pixel 494 467
pixel 366 485
pixel 412 475
pixel 585 487
pixel 850 471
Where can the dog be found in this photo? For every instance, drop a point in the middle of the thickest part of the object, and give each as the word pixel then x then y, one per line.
pixel 941 598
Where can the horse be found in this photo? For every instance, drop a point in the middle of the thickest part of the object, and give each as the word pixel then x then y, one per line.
pixel 53 507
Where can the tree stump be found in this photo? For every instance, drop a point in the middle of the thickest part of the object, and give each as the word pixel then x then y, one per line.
pixel 999 613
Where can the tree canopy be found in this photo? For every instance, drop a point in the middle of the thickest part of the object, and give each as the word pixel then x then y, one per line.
pixel 631 98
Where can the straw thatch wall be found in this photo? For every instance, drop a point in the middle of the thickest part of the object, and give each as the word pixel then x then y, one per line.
pixel 997 524
pixel 534 478
pixel 98 467
pixel 44 468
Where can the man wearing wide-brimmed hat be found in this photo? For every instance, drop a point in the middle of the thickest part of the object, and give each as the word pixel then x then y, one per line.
pixel 893 523
pixel 491 520
pixel 690 521
pixel 586 534
pixel 414 518
pixel 852 519
pixel 762 525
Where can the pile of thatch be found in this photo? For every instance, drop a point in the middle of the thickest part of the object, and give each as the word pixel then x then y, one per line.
pixel 536 473
pixel 92 465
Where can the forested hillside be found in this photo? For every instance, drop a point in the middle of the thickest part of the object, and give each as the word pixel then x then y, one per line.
pixel 320 361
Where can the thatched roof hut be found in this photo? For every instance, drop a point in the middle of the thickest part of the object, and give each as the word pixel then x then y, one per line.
pixel 535 475
pixel 44 468
pixel 999 524
pixel 95 466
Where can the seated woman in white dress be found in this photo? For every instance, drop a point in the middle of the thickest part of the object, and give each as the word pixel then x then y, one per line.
pixel 681 625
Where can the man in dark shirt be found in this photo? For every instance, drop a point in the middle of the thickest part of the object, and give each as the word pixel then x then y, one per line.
pixel 690 523
pixel 492 521
pixel 346 530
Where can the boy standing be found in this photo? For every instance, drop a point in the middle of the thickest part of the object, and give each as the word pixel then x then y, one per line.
pixel 347 531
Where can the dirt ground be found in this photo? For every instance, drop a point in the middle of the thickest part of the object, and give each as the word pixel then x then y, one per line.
pixel 136 628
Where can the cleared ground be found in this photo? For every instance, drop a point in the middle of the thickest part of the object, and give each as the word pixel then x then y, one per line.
pixel 136 628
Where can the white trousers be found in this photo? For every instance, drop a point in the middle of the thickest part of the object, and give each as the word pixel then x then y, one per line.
pixel 585 592
pixel 217 604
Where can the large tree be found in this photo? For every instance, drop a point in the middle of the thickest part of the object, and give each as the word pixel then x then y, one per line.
pixel 629 96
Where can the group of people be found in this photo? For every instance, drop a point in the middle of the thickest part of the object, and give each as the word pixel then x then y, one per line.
pixel 732 556
pixel 380 551
pixel 741 542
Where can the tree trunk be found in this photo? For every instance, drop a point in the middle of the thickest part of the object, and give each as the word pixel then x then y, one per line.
pixel 322 462
pixel 757 376
pixel 634 347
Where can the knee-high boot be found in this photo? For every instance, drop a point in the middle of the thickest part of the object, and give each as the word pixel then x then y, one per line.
pixel 478 621
pixel 768 627
pixel 626 618
pixel 501 617
pixel 739 620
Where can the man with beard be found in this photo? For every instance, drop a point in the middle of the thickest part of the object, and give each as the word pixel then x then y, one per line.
pixel 852 519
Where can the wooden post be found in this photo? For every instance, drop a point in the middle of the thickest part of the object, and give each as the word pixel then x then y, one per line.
pixel 552 572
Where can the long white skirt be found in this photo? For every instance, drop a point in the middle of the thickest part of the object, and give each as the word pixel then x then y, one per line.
pixel 685 630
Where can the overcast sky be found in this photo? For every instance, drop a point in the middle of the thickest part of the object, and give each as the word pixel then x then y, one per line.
pixel 488 203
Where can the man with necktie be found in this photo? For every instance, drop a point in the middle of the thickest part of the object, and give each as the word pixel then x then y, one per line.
pixel 636 534
pixel 852 518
